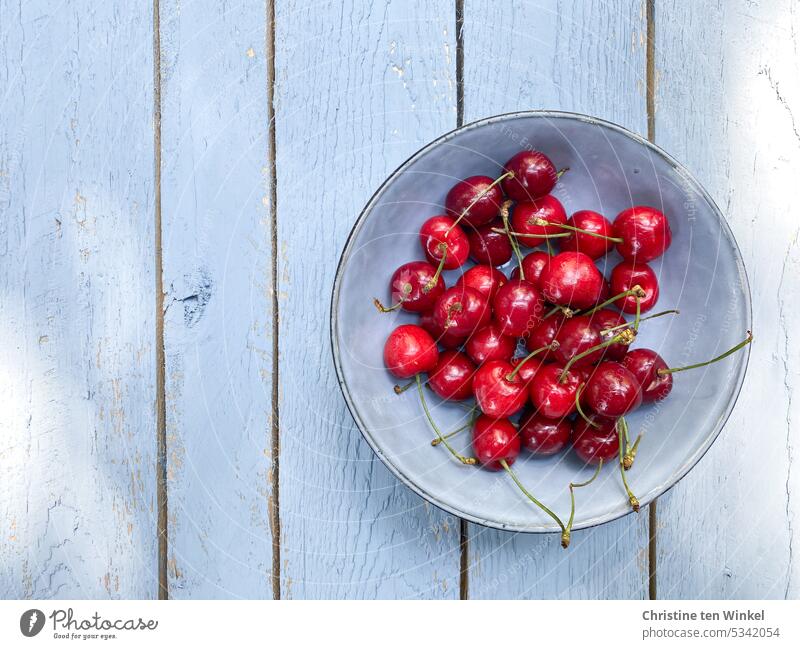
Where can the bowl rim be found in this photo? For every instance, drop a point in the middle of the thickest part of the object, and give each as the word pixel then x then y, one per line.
pixel 661 489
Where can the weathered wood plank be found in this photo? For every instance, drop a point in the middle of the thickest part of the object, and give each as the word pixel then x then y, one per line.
pixel 587 58
pixel 360 86
pixel 78 444
pixel 217 283
pixel 728 97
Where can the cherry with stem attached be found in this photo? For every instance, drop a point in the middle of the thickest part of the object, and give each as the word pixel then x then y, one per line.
pixel 487 189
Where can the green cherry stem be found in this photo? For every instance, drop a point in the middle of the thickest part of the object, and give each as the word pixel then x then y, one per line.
pixel 524 235
pixel 626 337
pixel 636 290
pixel 507 174
pixel 568 313
pixel 437 441
pixel 561 172
pixel 732 350
pixel 442 247
pixel 634 501
pixel 565 535
pixel 461 458
pixel 579 408
pixel 511 239
pixel 385 309
pixel 399 389
pixel 552 346
pixel 649 317
pixel 572 228
pixel 531 497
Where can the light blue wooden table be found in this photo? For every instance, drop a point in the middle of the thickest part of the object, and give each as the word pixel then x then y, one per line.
pixel 176 184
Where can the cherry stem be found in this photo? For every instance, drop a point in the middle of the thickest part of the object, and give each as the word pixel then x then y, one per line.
pixel 732 350
pixel 572 228
pixel 634 501
pixel 523 235
pixel 580 409
pixel 511 239
pixel 638 317
pixel 507 174
pixel 461 458
pixel 636 290
pixel 630 456
pixel 384 309
pixel 561 172
pixel 437 441
pixel 565 536
pixel 399 389
pixel 553 345
pixel 649 317
pixel 442 247
pixel 530 496
pixel 626 337
pixel 568 313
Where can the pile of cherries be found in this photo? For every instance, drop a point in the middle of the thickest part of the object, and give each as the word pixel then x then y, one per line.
pixel 577 379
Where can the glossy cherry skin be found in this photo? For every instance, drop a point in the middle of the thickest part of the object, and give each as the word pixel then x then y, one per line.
pixel 452 377
pixel 605 319
pixel 433 236
pixel 408 286
pixel 528 371
pixel 409 350
pixel 490 344
pixel 594 444
pixel 518 307
pixel 533 263
pixel 484 279
pixel 463 193
pixel 534 176
pixel 495 394
pixel 553 399
pixel 494 440
pixel 572 279
pixel 489 247
pixel 575 336
pixel 542 436
pixel 628 274
pixel 644 365
pixel 644 231
pixel 544 333
pixel 524 216
pixel 460 310
pixel 594 247
pixel 446 339
pixel 612 390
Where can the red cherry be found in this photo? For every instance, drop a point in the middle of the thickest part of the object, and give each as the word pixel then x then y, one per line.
pixel 461 196
pixel 412 289
pixel 544 333
pixel 438 241
pixel 552 398
pixel 452 377
pixel 518 307
pixel 409 350
pixel 644 365
pixel 489 247
pixel 446 339
pixel 572 279
pixel 625 276
pixel 460 310
pixel 497 396
pixel 644 231
pixel 534 176
pixel 529 369
pixel 593 444
pixel 490 344
pixel 525 216
pixel 594 247
pixel 612 390
pixel 494 440
pixel 606 319
pixel 577 335
pixel 543 436
pixel 484 279
pixel 533 264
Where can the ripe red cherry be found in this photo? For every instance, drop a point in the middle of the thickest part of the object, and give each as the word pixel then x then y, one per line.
pixel 439 241
pixel 460 310
pixel 594 247
pixel 594 444
pixel 552 398
pixel 409 350
pixel 497 396
pixel 490 344
pixel 529 369
pixel 494 440
pixel 446 339
pixel 489 247
pixel 463 193
pixel 577 335
pixel 533 263
pixel 612 390
pixel 484 279
pixel 543 436
pixel 452 377
pixel 544 333
pixel 534 176
pixel 518 307
pixel 410 286
pixel 606 319
pixel 644 231
pixel 525 215
pixel 572 279
pixel 625 276
pixel 644 365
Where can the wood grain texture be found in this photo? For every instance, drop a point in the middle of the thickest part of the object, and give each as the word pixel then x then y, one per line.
pixel 588 58
pixel 77 450
pixel 218 314
pixel 728 106
pixel 360 86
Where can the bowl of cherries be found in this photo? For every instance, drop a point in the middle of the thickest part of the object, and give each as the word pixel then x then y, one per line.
pixel 541 322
